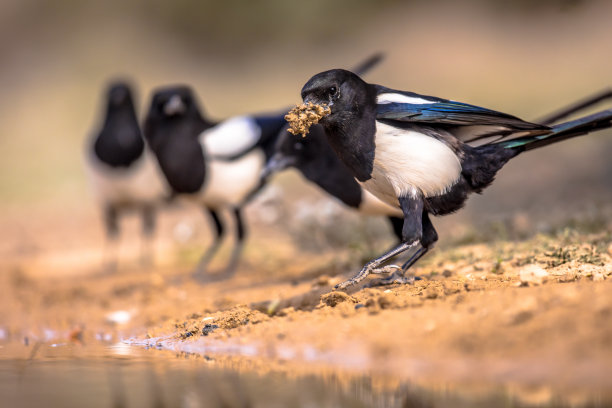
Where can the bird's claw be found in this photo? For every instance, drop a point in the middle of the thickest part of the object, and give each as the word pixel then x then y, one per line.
pixel 367 270
pixel 395 277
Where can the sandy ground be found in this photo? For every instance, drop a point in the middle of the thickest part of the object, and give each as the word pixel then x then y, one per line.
pixel 536 312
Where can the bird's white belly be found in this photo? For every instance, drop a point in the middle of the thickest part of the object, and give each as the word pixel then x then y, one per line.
pixel 229 182
pixel 408 163
pixel 141 182
pixel 371 205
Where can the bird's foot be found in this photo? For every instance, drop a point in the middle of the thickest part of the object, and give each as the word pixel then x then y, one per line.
pixel 109 268
pixel 396 277
pixel 365 271
pixel 202 276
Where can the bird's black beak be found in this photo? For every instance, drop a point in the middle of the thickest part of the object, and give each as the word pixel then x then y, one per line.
pixel 276 163
pixel 174 106
pixel 310 98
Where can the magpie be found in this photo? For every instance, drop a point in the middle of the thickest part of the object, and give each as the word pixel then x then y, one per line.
pixel 423 154
pixel 216 164
pixel 314 158
pixel 121 170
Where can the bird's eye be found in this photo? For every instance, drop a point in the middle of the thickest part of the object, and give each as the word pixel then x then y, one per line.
pixel 333 90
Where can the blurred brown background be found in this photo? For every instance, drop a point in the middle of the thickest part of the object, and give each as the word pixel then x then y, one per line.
pixel 522 57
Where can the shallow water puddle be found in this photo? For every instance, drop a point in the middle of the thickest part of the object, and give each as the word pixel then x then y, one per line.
pixel 123 375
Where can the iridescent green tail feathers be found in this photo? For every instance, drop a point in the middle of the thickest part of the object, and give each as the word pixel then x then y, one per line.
pixel 597 121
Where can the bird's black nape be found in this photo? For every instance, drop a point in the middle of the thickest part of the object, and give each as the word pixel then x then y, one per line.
pixel 119 142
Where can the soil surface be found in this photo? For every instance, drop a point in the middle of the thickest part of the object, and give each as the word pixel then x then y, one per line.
pixel 536 312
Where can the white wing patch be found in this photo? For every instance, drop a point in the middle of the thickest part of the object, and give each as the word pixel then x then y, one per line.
pixel 229 182
pixel 400 98
pixel 410 163
pixel 231 137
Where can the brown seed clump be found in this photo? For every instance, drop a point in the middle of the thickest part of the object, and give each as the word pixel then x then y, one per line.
pixel 303 116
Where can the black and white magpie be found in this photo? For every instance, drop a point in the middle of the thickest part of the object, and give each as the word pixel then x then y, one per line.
pixel 314 158
pixel 423 154
pixel 121 170
pixel 215 164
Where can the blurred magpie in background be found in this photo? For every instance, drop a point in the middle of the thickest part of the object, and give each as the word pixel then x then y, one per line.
pixel 423 154
pixel 215 164
pixel 218 164
pixel 121 170
pixel 314 158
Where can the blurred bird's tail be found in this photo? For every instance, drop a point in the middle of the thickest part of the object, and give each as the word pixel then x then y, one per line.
pixel 562 131
pixel 368 64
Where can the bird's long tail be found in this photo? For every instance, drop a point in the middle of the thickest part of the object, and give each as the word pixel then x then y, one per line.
pixel 562 131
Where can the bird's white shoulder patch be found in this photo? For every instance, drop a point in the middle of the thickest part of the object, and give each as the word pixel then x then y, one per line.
pixel 400 98
pixel 231 137
pixel 410 163
pixel 228 183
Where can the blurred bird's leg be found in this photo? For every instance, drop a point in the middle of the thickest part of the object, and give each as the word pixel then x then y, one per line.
pixel 214 247
pixel 430 236
pixel 110 251
pixel 575 107
pixel 238 246
pixel 412 233
pixel 148 230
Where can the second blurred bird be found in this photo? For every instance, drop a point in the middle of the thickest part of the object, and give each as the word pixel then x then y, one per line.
pixel 122 171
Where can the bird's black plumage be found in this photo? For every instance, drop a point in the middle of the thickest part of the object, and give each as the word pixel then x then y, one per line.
pixel 423 154
pixel 119 143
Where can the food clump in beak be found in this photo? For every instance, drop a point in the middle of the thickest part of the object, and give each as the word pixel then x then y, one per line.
pixel 303 116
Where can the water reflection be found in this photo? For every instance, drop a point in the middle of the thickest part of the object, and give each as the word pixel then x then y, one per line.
pixel 122 376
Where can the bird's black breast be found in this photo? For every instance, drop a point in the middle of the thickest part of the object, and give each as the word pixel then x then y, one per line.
pixel 120 142
pixel 179 154
pixel 328 172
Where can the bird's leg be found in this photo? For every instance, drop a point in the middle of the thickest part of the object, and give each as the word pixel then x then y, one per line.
pixel 148 228
pixel 111 223
pixel 371 267
pixel 430 236
pixel 214 247
pixel 412 232
pixel 240 235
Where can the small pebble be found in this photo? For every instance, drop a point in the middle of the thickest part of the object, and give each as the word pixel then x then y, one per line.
pixel 532 275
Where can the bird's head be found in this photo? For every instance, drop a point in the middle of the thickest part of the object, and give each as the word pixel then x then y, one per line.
pixel 119 95
pixel 173 114
pixel 290 151
pixel 340 90
pixel 174 102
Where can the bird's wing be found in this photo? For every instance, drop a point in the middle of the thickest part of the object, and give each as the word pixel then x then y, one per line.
pixel 235 137
pixel 468 123
pixel 231 138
